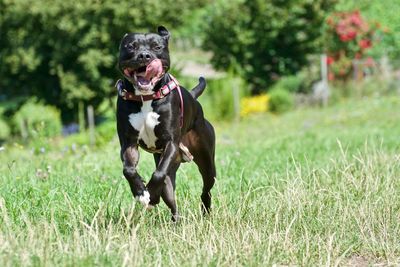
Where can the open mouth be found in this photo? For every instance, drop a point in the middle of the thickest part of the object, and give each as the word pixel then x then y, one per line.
pixel 145 77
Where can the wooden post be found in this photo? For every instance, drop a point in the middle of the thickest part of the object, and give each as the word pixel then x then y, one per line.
pixel 324 68
pixel 90 114
pixel 324 91
pixel 24 131
pixel 236 99
pixel 385 67
pixel 81 116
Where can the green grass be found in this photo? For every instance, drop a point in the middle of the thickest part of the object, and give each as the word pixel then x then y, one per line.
pixel 310 187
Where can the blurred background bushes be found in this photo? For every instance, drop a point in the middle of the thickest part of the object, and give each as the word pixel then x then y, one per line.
pixel 280 100
pixel 268 39
pixel 4 129
pixel 64 52
pixel 58 57
pixel 35 120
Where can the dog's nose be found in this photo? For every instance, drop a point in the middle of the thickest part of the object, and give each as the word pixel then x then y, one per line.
pixel 144 56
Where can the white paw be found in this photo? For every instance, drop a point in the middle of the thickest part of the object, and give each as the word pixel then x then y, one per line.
pixel 144 199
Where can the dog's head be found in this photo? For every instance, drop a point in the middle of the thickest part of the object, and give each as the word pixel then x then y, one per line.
pixel 144 58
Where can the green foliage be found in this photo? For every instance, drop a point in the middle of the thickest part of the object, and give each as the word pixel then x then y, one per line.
pixel 64 52
pixel 4 130
pixel 36 120
pixel 80 139
pixel 105 132
pixel 280 100
pixel 218 99
pixel 369 87
pixel 291 83
pixel 265 38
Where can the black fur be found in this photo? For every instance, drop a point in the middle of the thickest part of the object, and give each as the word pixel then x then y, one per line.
pixel 196 133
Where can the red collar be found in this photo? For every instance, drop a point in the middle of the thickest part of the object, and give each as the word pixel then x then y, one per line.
pixel 161 93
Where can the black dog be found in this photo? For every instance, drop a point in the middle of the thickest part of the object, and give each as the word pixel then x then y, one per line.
pixel 161 117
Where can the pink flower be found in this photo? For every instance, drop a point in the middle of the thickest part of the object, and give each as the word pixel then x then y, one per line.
pixel 343 38
pixel 365 43
pixel 351 35
pixel 369 62
pixel 341 27
pixel 356 18
pixel 329 60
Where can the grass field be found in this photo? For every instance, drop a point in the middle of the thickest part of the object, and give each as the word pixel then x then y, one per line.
pixel 312 187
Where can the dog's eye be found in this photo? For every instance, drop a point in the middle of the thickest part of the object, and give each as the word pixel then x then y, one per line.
pixel 157 47
pixel 132 46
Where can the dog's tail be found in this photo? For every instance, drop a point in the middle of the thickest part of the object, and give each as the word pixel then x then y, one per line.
pixel 199 89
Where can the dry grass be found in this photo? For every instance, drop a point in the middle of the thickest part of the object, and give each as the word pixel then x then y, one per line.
pixel 292 194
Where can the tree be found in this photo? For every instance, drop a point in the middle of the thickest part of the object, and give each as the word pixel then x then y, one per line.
pixel 265 38
pixel 64 52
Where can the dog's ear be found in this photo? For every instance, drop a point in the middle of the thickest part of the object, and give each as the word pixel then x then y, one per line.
pixel 163 32
pixel 122 40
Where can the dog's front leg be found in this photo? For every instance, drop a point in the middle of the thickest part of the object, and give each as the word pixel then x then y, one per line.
pixel 130 157
pixel 157 181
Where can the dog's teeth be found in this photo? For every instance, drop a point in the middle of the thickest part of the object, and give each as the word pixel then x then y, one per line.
pixel 127 73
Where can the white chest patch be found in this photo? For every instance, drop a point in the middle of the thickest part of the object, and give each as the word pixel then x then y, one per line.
pixel 144 122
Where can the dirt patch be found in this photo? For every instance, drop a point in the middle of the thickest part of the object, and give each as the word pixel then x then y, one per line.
pixel 363 261
pixel 357 261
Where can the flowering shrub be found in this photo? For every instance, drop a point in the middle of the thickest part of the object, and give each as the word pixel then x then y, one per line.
pixel 254 104
pixel 349 36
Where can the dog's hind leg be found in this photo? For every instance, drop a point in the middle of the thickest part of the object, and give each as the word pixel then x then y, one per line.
pixel 168 191
pixel 205 163
pixel 204 153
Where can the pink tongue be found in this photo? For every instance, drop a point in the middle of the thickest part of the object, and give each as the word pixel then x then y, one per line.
pixel 154 69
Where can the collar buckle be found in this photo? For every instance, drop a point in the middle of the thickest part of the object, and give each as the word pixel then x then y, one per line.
pixel 165 91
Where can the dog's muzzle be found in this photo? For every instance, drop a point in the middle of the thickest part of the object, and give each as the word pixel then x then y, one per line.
pixel 145 77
